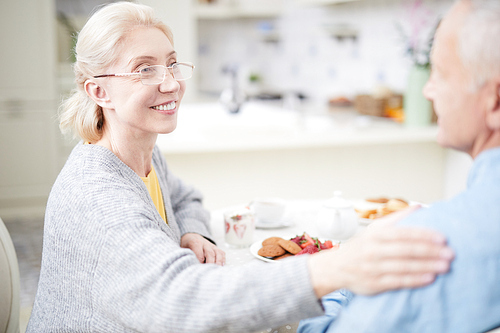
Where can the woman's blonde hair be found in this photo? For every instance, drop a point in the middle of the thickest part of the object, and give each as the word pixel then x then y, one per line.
pixel 97 48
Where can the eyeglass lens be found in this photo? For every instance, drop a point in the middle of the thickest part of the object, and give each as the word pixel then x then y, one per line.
pixel 156 74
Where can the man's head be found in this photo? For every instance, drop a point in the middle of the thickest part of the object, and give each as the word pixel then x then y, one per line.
pixel 465 79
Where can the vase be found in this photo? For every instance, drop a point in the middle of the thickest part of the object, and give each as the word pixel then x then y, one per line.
pixel 417 109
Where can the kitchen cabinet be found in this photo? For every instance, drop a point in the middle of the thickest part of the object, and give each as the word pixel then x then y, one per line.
pixel 220 12
pixel 28 141
pixel 28 156
pixel 254 8
pixel 323 2
pixel 27 50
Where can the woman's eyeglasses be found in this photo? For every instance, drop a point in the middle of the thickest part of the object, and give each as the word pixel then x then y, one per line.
pixel 156 74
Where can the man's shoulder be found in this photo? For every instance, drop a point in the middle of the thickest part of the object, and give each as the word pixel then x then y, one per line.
pixel 475 208
pixel 471 224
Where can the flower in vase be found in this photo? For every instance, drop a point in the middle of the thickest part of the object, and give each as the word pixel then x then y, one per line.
pixel 418 33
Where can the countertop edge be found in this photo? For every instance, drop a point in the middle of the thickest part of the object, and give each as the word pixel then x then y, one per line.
pixel 300 140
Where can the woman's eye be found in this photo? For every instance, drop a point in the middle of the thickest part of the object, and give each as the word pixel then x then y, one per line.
pixel 140 68
pixel 147 69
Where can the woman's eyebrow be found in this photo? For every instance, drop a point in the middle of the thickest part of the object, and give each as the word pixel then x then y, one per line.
pixel 148 58
pixel 141 58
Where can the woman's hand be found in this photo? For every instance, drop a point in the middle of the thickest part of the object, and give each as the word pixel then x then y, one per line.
pixel 382 258
pixel 205 251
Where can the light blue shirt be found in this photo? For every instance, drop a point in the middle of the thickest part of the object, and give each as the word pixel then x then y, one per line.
pixel 465 300
pixel 332 304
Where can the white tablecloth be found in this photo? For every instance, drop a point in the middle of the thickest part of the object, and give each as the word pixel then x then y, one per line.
pixel 300 215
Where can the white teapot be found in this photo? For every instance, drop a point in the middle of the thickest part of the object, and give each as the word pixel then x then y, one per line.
pixel 337 218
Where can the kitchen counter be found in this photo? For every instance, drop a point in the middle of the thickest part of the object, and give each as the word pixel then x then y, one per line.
pixel 266 150
pixel 207 127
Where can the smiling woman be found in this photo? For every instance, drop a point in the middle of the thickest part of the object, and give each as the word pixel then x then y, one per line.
pixel 127 100
pixel 127 245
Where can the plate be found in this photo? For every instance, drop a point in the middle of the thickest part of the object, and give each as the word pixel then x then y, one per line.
pixel 254 249
pixel 364 221
pixel 365 205
pixel 275 225
pixel 370 205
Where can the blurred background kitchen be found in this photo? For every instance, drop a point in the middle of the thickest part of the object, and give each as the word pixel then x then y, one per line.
pixel 290 98
pixel 307 78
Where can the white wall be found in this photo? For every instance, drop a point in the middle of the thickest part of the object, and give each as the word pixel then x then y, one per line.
pixel 306 56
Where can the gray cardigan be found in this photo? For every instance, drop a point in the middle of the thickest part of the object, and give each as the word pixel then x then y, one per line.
pixel 111 264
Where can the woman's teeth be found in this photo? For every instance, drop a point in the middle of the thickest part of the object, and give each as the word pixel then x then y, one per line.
pixel 165 107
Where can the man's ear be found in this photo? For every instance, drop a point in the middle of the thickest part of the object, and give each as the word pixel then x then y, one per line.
pixel 98 94
pixel 493 105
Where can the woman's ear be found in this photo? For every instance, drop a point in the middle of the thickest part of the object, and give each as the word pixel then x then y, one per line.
pixel 98 94
pixel 493 105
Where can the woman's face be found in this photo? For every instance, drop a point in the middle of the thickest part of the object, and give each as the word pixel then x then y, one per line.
pixel 135 108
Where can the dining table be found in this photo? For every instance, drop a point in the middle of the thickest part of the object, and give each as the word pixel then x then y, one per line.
pixel 300 216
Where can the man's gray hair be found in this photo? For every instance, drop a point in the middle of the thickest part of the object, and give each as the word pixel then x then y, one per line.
pixel 479 41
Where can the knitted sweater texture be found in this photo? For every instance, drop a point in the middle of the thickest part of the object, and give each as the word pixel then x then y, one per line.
pixel 111 264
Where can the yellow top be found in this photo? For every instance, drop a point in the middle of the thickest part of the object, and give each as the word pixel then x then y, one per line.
pixel 153 186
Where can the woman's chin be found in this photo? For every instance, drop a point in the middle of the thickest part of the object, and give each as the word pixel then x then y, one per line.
pixel 168 130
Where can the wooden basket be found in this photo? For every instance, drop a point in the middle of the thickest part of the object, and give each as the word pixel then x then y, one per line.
pixel 369 105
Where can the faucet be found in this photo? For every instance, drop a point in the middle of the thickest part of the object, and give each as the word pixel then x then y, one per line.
pixel 232 98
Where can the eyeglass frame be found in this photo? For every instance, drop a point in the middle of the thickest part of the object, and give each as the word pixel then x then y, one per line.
pixel 169 68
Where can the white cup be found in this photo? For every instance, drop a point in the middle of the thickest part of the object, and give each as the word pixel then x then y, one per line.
pixel 268 210
pixel 239 226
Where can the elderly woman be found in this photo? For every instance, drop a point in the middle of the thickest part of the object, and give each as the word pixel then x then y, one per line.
pixel 126 243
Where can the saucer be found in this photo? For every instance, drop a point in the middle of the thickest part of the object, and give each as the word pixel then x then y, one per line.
pixel 283 223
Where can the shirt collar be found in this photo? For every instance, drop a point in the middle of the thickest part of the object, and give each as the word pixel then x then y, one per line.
pixel 484 162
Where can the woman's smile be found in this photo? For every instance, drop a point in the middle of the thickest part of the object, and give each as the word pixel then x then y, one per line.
pixel 166 108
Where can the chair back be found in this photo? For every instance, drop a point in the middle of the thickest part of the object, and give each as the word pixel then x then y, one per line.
pixel 9 284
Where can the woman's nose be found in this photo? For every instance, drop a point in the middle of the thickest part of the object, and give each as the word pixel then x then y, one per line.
pixel 169 84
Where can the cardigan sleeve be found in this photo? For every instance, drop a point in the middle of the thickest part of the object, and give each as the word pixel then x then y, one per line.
pixel 187 207
pixel 161 287
pixel 185 201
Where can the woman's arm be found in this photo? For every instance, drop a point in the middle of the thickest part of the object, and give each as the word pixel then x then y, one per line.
pixel 185 200
pixel 145 282
pixel 193 220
